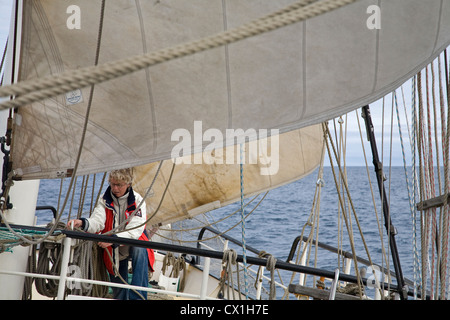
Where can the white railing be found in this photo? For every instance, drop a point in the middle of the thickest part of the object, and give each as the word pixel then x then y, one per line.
pixel 64 279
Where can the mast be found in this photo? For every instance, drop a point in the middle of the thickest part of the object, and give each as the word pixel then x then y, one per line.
pixel 23 194
pixel 391 231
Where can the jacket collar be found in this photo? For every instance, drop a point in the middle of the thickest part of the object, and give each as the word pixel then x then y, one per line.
pixel 131 200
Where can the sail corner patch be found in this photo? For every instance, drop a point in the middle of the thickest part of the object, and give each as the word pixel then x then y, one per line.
pixel 74 97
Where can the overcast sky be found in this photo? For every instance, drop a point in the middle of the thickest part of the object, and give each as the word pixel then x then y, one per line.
pixel 5 12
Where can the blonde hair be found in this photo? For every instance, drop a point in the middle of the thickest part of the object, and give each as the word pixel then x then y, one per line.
pixel 125 175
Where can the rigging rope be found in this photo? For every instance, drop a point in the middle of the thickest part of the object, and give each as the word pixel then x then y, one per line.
pixel 77 161
pixel 444 159
pixel 8 240
pixel 421 181
pixel 244 245
pixel 313 223
pixel 178 266
pixel 434 232
pixel 379 223
pixel 271 261
pixel 346 219
pixel 209 224
pixel 87 263
pixel 430 169
pixel 229 259
pixel 46 87
pixel 49 262
pixel 445 222
pixel 410 195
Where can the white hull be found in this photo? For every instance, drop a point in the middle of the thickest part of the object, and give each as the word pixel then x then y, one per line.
pixel 23 214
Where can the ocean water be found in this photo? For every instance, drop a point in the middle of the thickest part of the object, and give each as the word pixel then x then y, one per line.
pixel 280 217
pixel 285 211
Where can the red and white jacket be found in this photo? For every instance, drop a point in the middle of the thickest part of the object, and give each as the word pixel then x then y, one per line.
pixel 106 216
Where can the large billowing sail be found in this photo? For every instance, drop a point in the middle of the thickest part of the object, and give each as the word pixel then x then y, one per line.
pixel 285 79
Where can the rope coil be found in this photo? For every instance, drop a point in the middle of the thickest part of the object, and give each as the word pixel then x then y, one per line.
pixel 178 265
pixel 229 259
pixel 271 262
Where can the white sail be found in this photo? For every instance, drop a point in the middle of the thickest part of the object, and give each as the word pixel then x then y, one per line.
pixel 195 188
pixel 285 79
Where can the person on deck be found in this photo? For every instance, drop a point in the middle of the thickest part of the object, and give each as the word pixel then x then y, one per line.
pixel 118 202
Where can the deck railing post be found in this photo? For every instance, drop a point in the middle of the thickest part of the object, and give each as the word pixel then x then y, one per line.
pixel 204 287
pixel 334 284
pixel 67 247
pixel 304 251
pixel 259 284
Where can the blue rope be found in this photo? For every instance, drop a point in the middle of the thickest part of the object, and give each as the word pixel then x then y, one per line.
pixel 10 240
pixel 241 165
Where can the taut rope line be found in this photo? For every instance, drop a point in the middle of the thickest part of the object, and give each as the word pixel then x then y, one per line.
pixel 36 90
